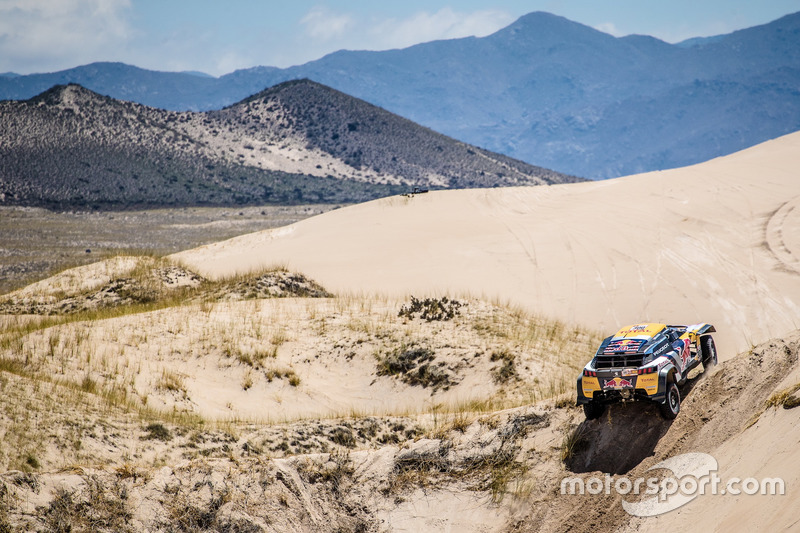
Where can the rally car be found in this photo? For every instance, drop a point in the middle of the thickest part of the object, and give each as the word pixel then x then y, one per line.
pixel 645 362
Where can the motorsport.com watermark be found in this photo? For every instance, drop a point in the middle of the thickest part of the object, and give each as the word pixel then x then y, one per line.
pixel 694 474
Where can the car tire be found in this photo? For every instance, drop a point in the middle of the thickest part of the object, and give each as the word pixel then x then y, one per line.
pixel 593 410
pixel 672 402
pixel 709 351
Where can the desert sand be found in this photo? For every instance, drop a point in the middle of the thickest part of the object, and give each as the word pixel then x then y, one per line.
pixel 717 242
pixel 225 411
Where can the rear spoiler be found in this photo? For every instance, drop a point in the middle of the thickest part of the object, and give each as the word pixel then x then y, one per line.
pixel 696 329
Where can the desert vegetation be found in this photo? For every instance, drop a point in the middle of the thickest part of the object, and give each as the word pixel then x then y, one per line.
pixel 137 395
pixel 148 331
pixel 111 372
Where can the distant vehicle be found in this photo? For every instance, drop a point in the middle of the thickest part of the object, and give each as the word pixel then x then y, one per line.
pixel 645 362
pixel 416 190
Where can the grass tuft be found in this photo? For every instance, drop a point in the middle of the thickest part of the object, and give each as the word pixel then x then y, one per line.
pixel 785 398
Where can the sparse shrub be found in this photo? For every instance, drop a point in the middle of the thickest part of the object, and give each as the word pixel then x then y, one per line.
pixel 574 441
pixel 188 517
pixel 343 436
pixel 61 513
pixel 89 385
pixel 564 402
pixel 507 369
pixel 256 357
pixel 404 359
pixel 791 402
pixel 369 429
pixel 414 366
pixel 5 525
pixel 32 461
pixel 431 309
pixel 139 291
pixel 287 373
pixel 158 432
pixel 489 468
pixel 94 509
pixel 461 421
pixel 127 471
pixel 415 467
pixel 389 438
pixel 247 381
pixel 341 470
pixel 170 381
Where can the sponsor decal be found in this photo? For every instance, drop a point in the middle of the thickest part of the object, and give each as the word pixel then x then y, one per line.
pixel 638 328
pixel 662 349
pixel 618 383
pixel 624 345
pixel 685 353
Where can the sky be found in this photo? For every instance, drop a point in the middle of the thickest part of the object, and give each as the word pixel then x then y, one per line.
pixel 218 37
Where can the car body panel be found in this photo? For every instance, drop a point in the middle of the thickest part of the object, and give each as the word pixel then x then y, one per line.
pixel 639 361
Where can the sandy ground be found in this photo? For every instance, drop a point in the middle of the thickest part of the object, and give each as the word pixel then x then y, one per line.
pixel 476 473
pixel 718 242
pixel 273 360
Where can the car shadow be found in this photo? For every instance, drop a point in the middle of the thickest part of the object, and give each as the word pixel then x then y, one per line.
pixel 624 436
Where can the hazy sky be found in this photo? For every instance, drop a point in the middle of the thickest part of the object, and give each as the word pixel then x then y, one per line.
pixel 218 37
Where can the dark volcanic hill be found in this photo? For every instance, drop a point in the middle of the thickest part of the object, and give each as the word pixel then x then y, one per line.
pixel 299 142
pixel 544 90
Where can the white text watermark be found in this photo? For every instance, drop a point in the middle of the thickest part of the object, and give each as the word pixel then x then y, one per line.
pixel 693 474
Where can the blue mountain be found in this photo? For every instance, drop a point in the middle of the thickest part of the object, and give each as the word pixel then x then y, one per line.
pixel 546 90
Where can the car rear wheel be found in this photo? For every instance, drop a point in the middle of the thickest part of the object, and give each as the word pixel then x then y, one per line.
pixel 709 351
pixel 593 410
pixel 672 403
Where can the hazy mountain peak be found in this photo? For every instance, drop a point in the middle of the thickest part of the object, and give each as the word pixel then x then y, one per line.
pixel 287 88
pixel 544 27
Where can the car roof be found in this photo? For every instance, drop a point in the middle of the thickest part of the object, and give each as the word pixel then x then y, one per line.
pixel 644 330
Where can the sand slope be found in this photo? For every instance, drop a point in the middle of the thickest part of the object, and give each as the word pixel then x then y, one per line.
pixel 716 242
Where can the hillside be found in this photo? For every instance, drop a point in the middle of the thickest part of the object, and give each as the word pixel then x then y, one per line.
pixel 545 90
pixel 296 143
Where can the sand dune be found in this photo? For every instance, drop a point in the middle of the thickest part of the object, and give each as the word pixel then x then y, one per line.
pixel 716 242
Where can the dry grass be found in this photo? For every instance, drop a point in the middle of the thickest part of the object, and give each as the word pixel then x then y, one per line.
pixel 785 398
pixel 116 348
pixel 490 465
pixel 574 440
pixel 126 389
pixel 141 361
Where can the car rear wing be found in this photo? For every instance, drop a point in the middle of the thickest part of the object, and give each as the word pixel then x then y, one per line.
pixel 695 329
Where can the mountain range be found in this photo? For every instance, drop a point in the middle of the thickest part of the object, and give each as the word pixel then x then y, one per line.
pixel 545 90
pixel 297 142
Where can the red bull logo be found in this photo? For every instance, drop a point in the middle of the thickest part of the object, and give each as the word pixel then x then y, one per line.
pixel 618 383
